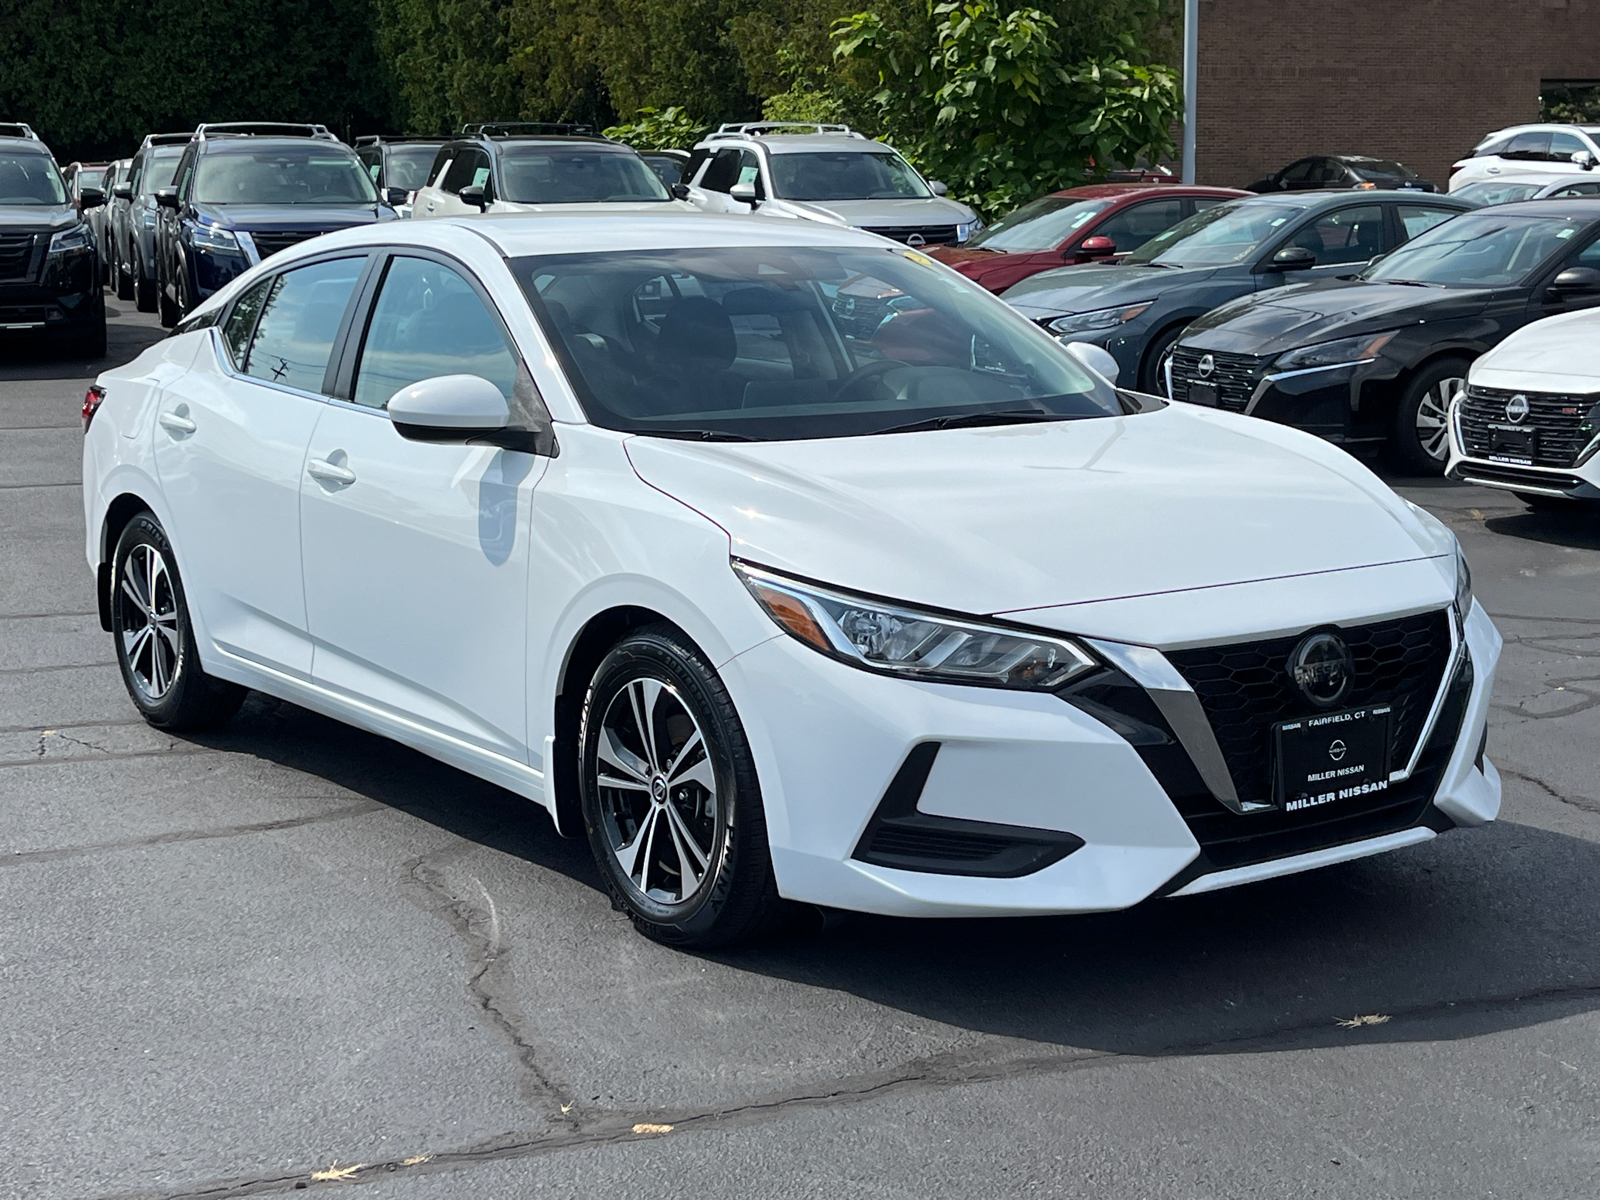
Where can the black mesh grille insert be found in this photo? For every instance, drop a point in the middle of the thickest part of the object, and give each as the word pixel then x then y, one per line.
pixel 16 253
pixel 1245 688
pixel 1565 424
pixel 1236 375
pixel 270 242
pixel 932 235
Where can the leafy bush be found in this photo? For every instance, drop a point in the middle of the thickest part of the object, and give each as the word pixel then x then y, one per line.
pixel 667 128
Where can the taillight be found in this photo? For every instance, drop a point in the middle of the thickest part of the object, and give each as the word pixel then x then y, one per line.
pixel 1454 167
pixel 91 403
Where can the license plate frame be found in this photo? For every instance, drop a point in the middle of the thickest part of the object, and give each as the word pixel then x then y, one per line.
pixel 1513 444
pixel 1329 759
pixel 1203 392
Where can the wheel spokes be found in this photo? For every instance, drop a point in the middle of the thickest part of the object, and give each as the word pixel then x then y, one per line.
pixel 693 864
pixel 635 772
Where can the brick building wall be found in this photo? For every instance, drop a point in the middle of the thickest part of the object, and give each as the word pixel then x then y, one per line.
pixel 1416 80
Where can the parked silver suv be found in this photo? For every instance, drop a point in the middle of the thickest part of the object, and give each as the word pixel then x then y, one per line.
pixel 826 173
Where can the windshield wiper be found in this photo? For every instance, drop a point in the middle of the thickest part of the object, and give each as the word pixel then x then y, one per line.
pixel 695 435
pixel 1004 416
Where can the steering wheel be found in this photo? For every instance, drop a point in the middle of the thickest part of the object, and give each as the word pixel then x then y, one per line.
pixel 861 374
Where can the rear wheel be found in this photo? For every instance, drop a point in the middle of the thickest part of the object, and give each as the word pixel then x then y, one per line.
pixel 167 307
pixel 144 289
pixel 155 640
pixel 1420 439
pixel 124 281
pixel 670 796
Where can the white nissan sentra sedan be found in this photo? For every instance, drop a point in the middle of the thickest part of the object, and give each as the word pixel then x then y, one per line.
pixel 785 564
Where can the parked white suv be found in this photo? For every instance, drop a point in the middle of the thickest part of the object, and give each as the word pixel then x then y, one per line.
pixel 829 174
pixel 1529 150
pixel 1528 420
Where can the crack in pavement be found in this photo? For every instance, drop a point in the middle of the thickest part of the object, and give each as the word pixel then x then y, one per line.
pixel 107 756
pixel 953 1069
pixel 19 858
pixel 107 662
pixel 1582 803
pixel 489 982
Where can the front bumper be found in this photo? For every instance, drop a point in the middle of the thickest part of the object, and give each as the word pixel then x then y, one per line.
pixel 1326 401
pixel 59 295
pixel 833 745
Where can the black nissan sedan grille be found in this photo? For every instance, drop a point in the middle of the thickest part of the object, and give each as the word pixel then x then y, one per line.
pixel 1245 689
pixel 269 243
pixel 16 254
pixel 1563 424
pixel 1235 375
pixel 931 235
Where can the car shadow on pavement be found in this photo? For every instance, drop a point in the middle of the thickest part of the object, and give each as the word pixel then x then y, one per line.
pixel 1477 926
pixel 1577 527
pixel 27 356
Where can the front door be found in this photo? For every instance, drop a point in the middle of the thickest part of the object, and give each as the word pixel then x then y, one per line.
pixel 416 554
pixel 230 445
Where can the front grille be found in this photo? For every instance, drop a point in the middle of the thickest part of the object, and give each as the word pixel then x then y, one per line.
pixel 16 255
pixel 28 315
pixel 932 235
pixel 1565 424
pixel 1236 375
pixel 269 243
pixel 1497 474
pixel 1245 689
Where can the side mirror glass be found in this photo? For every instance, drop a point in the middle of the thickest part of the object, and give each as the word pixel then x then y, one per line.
pixel 449 408
pixel 744 193
pixel 1575 280
pixel 938 188
pixel 394 196
pixel 91 197
pixel 1292 258
pixel 168 198
pixel 1098 247
pixel 680 191
pixel 1096 358
pixel 474 195
pixel 123 191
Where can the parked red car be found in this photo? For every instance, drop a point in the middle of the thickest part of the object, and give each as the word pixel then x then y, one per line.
pixel 1083 224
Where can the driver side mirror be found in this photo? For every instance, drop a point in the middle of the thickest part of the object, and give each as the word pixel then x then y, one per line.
pixel 168 198
pixel 938 188
pixel 680 191
pixel 1096 358
pixel 393 196
pixel 449 408
pixel 745 193
pixel 1584 159
pixel 1292 258
pixel 91 197
pixel 1098 247
pixel 474 195
pixel 1576 281
pixel 123 191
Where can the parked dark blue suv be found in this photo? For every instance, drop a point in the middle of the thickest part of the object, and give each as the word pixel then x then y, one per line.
pixel 243 192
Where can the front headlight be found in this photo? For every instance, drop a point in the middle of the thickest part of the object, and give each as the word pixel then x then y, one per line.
pixel 214 237
pixel 966 229
pixel 1344 352
pixel 1463 584
pixel 1100 318
pixel 893 639
pixel 72 241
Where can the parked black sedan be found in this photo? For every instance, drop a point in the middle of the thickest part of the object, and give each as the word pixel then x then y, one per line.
pixel 1137 308
pixel 1380 357
pixel 1359 171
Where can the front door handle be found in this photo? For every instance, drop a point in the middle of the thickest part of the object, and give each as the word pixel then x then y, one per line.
pixel 176 422
pixel 330 472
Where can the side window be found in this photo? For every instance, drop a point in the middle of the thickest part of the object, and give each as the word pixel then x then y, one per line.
pixel 1348 235
pixel 1589 256
pixel 430 321
pixel 440 162
pixel 1203 204
pixel 242 322
pixel 1299 172
pixel 1417 219
pixel 464 171
pixel 185 172
pixel 750 172
pixel 299 321
pixel 137 172
pixel 1133 227
pixel 1527 147
pixel 692 167
pixel 1563 146
pixel 1331 173
pixel 723 172
pixel 373 161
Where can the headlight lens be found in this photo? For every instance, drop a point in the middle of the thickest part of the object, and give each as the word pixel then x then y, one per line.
pixel 214 237
pixel 892 639
pixel 71 241
pixel 1463 584
pixel 1100 318
pixel 966 229
pixel 1335 354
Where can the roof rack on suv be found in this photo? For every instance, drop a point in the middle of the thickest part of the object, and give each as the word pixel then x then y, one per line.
pixel 262 129
pixel 389 139
pixel 17 129
pixel 758 128
pixel 524 128
pixel 166 139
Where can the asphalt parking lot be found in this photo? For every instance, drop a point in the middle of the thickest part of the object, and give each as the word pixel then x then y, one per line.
pixel 294 956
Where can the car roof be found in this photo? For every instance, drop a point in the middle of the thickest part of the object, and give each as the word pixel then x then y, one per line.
pixel 803 143
pixel 1102 191
pixel 1541 126
pixel 1587 207
pixel 24 145
pixel 1332 197
pixel 245 145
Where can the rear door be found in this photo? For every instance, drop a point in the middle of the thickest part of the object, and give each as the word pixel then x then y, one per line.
pixel 230 445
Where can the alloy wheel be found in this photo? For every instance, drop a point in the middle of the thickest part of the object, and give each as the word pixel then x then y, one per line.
pixel 658 792
pixel 147 623
pixel 1433 417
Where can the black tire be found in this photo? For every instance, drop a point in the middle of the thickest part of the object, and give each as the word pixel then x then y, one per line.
pixel 90 343
pixel 144 290
pixel 165 306
pixel 1150 378
pixel 1419 441
pixel 733 897
pixel 155 640
pixel 124 282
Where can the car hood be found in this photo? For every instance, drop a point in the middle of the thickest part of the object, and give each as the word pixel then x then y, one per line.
pixel 324 218
pixel 1029 516
pixel 1301 314
pixel 569 210
pixel 37 216
pixel 883 214
pixel 1558 354
pixel 1094 285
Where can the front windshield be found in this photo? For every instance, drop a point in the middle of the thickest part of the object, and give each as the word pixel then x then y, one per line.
pixel 1217 237
pixel 1040 225
pixel 407 167
pixel 1490 193
pixel 1481 249
pixel 30 179
pixel 557 175
pixel 845 175
pixel 91 177
pixel 283 175
pixel 159 168
pixel 775 343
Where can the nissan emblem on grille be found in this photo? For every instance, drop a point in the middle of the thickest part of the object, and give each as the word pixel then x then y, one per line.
pixel 1517 409
pixel 1322 669
pixel 1207 365
pixel 915 240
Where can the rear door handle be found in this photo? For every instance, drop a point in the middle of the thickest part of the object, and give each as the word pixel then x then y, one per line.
pixel 176 423
pixel 330 472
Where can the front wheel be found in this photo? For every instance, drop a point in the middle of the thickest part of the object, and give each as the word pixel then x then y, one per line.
pixel 168 307
pixel 155 639
pixel 670 796
pixel 124 281
pixel 1152 376
pixel 144 290
pixel 1420 440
